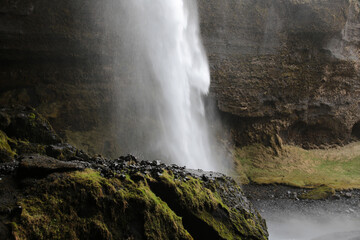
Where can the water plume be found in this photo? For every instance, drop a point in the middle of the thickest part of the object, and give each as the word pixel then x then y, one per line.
pixel 169 77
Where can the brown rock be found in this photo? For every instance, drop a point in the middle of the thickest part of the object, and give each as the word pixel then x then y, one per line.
pixel 285 67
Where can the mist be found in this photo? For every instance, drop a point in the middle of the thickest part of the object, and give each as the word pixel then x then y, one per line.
pixel 161 78
pixel 307 227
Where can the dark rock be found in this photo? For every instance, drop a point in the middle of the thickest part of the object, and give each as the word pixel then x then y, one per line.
pixel 8 168
pixel 39 166
pixel 4 120
pixel 336 197
pixel 16 211
pixel 25 123
pixel 4 231
pixel 64 152
pixel 156 163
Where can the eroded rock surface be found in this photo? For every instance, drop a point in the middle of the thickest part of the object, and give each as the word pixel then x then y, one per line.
pixel 286 68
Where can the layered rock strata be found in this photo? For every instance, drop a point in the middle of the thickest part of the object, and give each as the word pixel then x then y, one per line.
pixel 285 68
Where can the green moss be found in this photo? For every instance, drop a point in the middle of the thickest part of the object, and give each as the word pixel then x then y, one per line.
pixel 5 150
pixel 204 203
pixel 84 205
pixel 25 147
pixel 32 116
pixel 192 193
pixel 157 215
pixel 319 193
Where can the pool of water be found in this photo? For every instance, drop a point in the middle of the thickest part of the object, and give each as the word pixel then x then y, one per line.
pixel 327 227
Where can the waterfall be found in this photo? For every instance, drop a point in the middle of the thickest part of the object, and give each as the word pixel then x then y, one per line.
pixel 172 76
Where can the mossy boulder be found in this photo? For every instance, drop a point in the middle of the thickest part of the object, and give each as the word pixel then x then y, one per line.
pixel 86 205
pixel 24 131
pixel 322 192
pixel 27 124
pixel 70 195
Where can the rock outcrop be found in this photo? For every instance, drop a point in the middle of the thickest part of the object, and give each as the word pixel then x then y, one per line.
pixel 285 68
pixel 55 191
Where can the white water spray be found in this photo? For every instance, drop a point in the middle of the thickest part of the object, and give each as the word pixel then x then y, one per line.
pixel 166 36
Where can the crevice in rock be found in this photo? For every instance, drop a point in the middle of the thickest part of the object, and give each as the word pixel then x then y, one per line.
pixel 355 132
pixel 322 132
pixel 195 226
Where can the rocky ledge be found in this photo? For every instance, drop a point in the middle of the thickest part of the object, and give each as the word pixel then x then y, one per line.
pixel 51 190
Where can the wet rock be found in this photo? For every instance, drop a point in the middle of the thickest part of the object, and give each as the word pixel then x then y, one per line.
pixel 39 166
pixel 348 195
pixel 156 163
pixel 8 168
pixel 336 197
pixel 175 202
pixel 27 124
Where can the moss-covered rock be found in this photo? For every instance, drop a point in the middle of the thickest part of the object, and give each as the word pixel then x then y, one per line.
pixel 210 209
pixel 27 124
pixel 322 192
pixel 46 197
pixel 6 153
pixel 85 205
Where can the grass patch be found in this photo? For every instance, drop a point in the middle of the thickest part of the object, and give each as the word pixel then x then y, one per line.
pixel 338 168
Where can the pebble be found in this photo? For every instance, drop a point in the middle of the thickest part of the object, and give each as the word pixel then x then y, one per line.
pixel 348 195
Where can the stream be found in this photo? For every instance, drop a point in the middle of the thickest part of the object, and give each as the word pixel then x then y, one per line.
pixel 289 218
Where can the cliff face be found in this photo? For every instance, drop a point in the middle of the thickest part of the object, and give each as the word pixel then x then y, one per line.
pixel 279 68
pixel 286 68
pixel 53 58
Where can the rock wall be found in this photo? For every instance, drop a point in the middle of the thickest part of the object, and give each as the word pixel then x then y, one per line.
pixel 57 57
pixel 282 70
pixel 285 67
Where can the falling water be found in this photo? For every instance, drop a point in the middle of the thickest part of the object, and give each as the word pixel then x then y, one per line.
pixel 172 65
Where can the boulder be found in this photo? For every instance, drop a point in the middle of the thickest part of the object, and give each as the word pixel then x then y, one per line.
pixel 74 196
pixel 38 166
